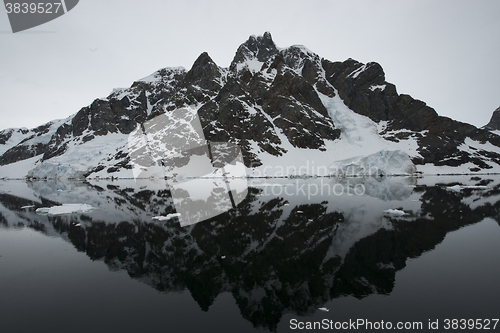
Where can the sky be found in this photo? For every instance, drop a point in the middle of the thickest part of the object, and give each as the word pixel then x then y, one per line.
pixel 443 52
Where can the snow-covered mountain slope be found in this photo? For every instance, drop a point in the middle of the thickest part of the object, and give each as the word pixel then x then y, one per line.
pixel 290 111
pixel 22 143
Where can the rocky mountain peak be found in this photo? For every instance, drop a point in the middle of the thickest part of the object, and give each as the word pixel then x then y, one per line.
pixel 258 49
pixel 494 123
pixel 296 55
pixel 205 73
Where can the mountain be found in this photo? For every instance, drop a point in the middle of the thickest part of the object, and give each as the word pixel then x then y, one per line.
pixel 494 124
pixel 289 111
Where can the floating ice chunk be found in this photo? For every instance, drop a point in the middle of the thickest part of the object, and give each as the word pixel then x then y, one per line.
pixel 458 188
pixel 65 209
pixel 166 218
pixel 324 309
pixel 397 212
pixel 223 257
pixel 26 207
pixel 299 212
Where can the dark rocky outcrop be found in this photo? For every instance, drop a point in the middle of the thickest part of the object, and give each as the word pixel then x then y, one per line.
pixel 364 90
pixel 494 123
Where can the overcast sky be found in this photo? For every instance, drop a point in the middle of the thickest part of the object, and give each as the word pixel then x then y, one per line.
pixel 444 52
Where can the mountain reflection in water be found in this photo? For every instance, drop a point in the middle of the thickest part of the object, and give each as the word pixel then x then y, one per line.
pixel 282 250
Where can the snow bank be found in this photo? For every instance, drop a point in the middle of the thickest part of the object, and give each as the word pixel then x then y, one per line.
pixel 18 169
pixel 79 158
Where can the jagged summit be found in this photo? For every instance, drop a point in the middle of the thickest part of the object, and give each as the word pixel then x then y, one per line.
pixel 204 73
pixel 255 50
pixel 204 66
pixel 494 124
pixel 286 108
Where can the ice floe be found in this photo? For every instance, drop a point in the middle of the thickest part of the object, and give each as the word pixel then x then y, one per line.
pixel 166 218
pixel 458 188
pixel 65 209
pixel 396 212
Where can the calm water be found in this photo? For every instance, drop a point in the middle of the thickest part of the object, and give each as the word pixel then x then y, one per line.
pixel 291 250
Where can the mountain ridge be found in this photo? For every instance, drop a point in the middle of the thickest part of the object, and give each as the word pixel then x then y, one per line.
pixel 282 106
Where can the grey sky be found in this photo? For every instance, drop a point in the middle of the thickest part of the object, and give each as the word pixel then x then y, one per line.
pixel 442 52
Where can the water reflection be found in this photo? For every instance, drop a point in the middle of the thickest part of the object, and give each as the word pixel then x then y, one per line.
pixel 282 250
pixel 172 148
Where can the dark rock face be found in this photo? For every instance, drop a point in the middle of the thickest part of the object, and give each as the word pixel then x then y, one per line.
pixel 19 153
pixel 110 116
pixel 266 97
pixel 243 105
pixel 29 146
pixel 353 80
pixel 364 90
pixel 204 74
pixel 261 48
pixel 494 123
